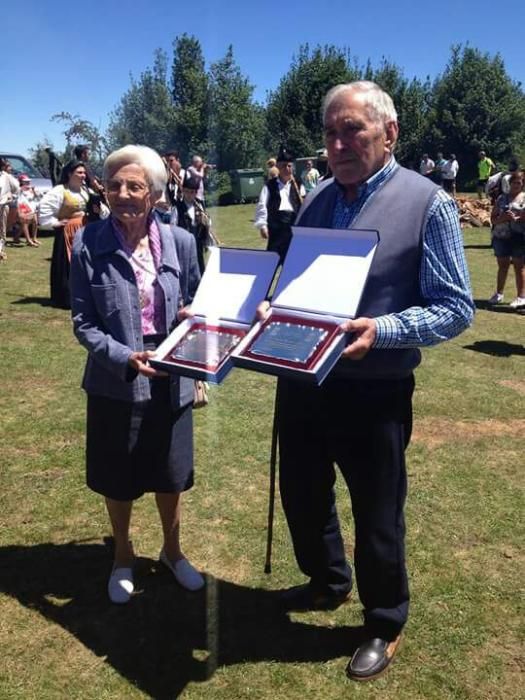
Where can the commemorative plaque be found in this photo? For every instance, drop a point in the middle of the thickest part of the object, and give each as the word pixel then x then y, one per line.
pixel 233 284
pixel 320 287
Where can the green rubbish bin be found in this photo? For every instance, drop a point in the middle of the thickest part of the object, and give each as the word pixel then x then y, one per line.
pixel 246 184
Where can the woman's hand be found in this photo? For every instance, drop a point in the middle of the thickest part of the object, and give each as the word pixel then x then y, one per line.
pixel 139 362
pixel 184 313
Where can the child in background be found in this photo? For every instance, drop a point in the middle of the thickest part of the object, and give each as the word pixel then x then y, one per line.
pixel 27 218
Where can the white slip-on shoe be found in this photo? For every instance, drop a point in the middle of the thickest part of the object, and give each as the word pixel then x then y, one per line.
pixel 517 303
pixel 120 584
pixel 185 574
pixel 496 298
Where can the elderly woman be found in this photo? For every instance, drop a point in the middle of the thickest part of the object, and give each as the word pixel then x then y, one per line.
pixel 131 277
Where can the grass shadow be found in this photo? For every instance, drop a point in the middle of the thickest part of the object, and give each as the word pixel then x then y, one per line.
pixel 478 246
pixel 484 305
pixel 165 637
pixel 500 348
pixel 42 301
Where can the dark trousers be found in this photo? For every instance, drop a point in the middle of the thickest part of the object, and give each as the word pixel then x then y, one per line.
pixel 280 233
pixel 364 427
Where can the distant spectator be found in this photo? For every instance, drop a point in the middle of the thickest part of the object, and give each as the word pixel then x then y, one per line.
pixel 508 239
pixel 64 209
pixel 485 168
pixel 199 169
pixel 192 216
pixel 9 189
pixel 310 177
pixel 438 169
pixel 449 172
pixel 426 166
pixel 82 153
pixel 176 175
pixel 278 204
pixel 273 170
pixel 27 218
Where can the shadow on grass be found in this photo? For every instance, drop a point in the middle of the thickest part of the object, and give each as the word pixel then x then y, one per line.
pixel 499 348
pixel 484 305
pixel 165 637
pixel 43 301
pixel 478 246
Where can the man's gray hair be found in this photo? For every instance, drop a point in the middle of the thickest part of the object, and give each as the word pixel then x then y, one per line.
pixel 379 102
pixel 148 159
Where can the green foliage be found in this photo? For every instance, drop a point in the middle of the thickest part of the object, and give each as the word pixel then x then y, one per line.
pixel 293 114
pixel 189 89
pixel 476 105
pixel 236 123
pixel 81 131
pixel 39 157
pixel 145 114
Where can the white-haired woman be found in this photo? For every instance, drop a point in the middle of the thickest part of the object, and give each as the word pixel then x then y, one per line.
pixel 131 276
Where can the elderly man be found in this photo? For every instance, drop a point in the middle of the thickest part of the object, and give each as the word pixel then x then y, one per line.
pixel 278 205
pixel 198 170
pixel 417 294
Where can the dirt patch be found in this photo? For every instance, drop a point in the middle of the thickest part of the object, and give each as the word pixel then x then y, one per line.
pixel 433 432
pixel 516 385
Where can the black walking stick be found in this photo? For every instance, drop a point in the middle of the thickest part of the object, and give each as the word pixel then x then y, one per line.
pixel 273 471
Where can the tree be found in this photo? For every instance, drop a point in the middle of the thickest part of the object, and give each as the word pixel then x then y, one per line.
pixel 39 157
pixel 189 89
pixel 145 114
pixel 293 114
pixel 477 106
pixel 235 122
pixel 411 99
pixel 79 130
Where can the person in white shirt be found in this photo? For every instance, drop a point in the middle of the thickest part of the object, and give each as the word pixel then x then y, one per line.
pixel 310 177
pixel 9 189
pixel 278 205
pixel 449 173
pixel 427 165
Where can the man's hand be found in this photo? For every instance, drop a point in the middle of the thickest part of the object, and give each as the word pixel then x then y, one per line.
pixel 363 331
pixel 262 311
pixel 184 312
pixel 139 362
pixel 264 232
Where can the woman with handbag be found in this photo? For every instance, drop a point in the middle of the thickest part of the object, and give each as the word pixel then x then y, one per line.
pixel 508 239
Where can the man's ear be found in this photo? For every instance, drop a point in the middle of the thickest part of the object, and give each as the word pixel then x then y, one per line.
pixel 391 134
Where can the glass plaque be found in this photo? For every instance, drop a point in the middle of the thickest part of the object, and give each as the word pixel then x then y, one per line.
pixel 205 346
pixel 291 342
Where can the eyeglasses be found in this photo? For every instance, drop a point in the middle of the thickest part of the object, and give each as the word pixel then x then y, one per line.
pixel 133 188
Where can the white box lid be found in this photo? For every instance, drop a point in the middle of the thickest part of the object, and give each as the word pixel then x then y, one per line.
pixel 325 270
pixel 234 282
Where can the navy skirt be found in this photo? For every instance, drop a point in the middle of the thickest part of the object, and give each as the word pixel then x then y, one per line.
pixel 135 448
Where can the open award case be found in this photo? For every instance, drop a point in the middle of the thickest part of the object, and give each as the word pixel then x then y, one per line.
pixel 319 288
pixel 233 284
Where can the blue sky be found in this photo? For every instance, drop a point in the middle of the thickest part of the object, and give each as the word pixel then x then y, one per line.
pixel 78 57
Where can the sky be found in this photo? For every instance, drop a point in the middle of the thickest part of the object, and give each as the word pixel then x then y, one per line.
pixel 79 58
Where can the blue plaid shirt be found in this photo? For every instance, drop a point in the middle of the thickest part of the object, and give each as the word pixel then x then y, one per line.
pixel 443 274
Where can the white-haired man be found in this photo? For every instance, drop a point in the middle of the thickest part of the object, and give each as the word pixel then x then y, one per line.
pixel 417 294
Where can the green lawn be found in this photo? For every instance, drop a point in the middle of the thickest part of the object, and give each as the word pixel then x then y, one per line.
pixel 60 637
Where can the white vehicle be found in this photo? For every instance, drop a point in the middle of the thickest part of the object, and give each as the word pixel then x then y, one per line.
pixel 21 166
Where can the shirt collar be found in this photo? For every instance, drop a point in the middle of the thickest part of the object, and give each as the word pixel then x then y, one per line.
pixel 374 181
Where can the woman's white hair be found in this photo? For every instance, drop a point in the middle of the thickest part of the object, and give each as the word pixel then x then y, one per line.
pixel 379 103
pixel 148 159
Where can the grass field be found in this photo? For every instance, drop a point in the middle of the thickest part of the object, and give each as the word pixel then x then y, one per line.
pixel 61 638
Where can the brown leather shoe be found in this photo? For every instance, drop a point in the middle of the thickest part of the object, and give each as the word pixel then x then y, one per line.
pixel 372 658
pixel 305 597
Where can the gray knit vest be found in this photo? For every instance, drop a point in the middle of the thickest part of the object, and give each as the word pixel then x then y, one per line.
pixel 398 211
